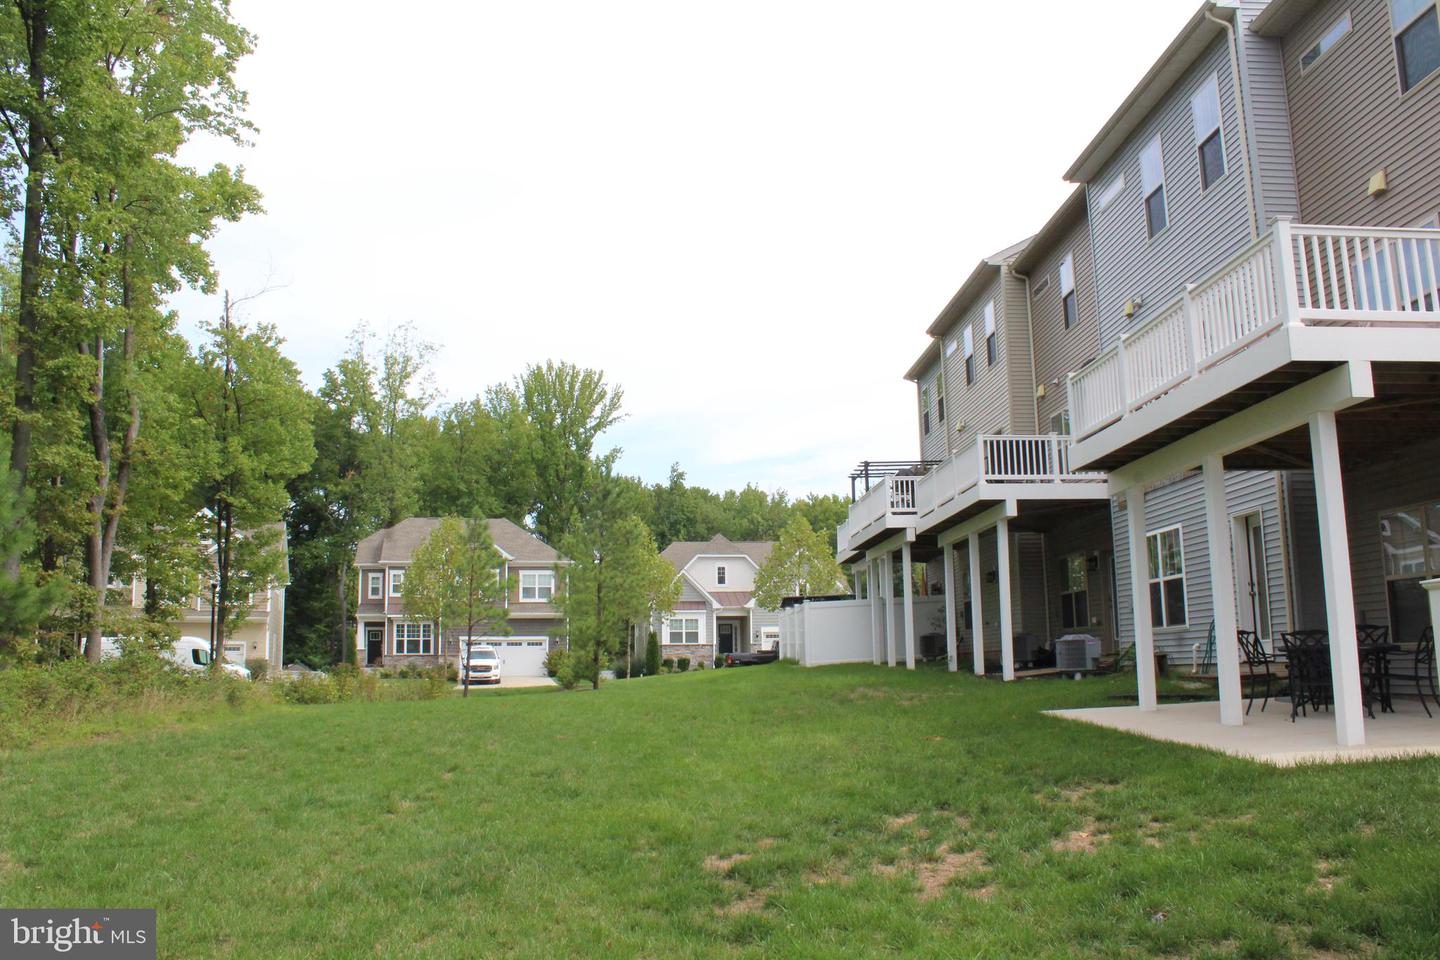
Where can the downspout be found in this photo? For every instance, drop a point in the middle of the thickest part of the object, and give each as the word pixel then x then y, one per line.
pixel 1030 329
pixel 1239 116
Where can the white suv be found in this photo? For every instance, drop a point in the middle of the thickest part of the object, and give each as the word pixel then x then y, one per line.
pixel 483 665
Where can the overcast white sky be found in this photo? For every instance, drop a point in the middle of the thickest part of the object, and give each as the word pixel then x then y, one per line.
pixel 745 213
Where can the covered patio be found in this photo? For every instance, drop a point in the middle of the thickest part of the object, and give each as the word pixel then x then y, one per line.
pixel 1270 737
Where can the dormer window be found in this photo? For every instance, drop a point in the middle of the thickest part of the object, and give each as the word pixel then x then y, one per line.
pixel 720 569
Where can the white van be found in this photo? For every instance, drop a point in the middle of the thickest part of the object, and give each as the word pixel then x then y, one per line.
pixel 193 654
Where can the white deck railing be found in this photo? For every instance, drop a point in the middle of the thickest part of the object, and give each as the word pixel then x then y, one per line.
pixel 1003 459
pixel 1295 274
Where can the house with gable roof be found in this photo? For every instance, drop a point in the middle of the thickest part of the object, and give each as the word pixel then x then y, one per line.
pixel 716 613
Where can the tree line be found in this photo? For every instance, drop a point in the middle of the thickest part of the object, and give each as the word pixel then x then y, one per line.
pixel 132 455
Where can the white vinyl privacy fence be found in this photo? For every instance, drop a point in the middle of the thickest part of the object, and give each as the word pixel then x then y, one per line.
pixel 820 632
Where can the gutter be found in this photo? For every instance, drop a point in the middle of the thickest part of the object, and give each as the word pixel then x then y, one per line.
pixel 1234 47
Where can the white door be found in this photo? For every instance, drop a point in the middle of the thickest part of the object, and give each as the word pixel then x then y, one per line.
pixel 521 656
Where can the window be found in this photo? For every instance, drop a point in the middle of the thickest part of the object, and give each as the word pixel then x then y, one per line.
pixel 1337 30
pixel 990 350
pixel 940 396
pixel 414 638
pixel 969 358
pixel 1111 191
pixel 720 575
pixel 1068 306
pixel 374 585
pixel 1417 39
pixel 1166 556
pixel 925 409
pixel 1152 187
pixel 950 348
pixel 537 586
pixel 397 582
pixel 1410 554
pixel 683 630
pixel 1205 113
pixel 1075 593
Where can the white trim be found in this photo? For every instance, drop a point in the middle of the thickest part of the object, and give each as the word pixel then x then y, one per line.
pixel 391 579
pixel 1162 578
pixel 425 627
pixel 537 598
pixel 375 585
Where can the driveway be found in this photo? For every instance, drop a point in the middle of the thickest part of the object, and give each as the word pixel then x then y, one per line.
pixel 511 683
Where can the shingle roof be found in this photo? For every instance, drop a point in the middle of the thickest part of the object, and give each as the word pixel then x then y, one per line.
pixel 681 552
pixel 731 598
pixel 398 544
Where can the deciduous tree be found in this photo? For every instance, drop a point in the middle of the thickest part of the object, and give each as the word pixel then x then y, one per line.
pixel 801 564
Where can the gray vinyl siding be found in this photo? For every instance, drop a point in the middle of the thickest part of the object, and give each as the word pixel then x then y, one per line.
pixel 985 406
pixel 1205 227
pixel 1033 581
pixel 1013 320
pixel 1411 478
pixel 932 444
pixel 1267 119
pixel 1349 119
pixel 1182 502
pixel 1023 580
pixel 1059 351
pixel 1087 533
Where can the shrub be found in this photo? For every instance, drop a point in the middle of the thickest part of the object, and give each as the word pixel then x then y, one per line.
pixel 555 660
pixel 309 688
pixel 437 683
pixel 259 668
pixel 652 655
pixel 667 664
pixel 682 664
pixel 719 660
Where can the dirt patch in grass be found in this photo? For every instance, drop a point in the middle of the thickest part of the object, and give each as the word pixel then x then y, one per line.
pixel 1078 792
pixel 1150 834
pixel 902 821
pixel 986 892
pixel 934 875
pixel 751 902
pixel 1085 840
pixel 903 697
pixel 717 864
pixel 834 872
pixel 9 867
pixel 1325 878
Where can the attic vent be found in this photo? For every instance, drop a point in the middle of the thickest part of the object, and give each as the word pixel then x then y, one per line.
pixel 1040 287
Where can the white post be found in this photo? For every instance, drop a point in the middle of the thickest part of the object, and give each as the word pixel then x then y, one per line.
pixel 1122 375
pixel 977 610
pixel 1432 588
pixel 952 656
pixel 888 566
pixel 360 652
pixel 907 582
pixel 873 581
pixel 1140 599
pixel 1007 624
pixel 1192 326
pixel 1339 598
pixel 1222 591
pixel 1288 297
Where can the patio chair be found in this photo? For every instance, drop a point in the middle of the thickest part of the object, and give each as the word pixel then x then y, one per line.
pixel 1418 667
pixel 1371 633
pixel 1307 653
pixel 1261 667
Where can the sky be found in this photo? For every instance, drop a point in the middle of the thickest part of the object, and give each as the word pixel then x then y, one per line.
pixel 745 213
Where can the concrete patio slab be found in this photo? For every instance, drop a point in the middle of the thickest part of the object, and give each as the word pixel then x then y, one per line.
pixel 1270 737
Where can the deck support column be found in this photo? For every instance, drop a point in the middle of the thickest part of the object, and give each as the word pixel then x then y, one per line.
pixel 1007 615
pixel 977 610
pixel 1222 591
pixel 1335 562
pixel 872 578
pixel 952 657
pixel 907 591
pixel 1140 598
pixel 887 566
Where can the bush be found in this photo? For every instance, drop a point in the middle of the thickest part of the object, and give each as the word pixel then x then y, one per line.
pixel 259 668
pixel 682 664
pixel 310 688
pixel 438 681
pixel 652 655
pixel 555 660
pixel 719 660
pixel 667 664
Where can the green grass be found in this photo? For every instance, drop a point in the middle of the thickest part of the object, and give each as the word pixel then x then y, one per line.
pixel 560 825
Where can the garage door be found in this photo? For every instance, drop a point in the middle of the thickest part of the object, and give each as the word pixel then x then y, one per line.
pixel 521 656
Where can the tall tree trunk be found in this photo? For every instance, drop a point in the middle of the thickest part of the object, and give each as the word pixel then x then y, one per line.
pixel 343 595
pixel 35 15
pixel 599 618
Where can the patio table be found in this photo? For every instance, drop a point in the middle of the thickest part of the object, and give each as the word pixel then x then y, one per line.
pixel 1313 681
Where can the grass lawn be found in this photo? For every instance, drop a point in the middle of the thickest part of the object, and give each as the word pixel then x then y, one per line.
pixel 764 812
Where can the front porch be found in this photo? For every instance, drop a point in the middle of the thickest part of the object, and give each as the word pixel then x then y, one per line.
pixel 1269 736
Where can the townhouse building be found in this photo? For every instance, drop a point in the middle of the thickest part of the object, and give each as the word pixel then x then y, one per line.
pixel 1234 326
pixel 387 635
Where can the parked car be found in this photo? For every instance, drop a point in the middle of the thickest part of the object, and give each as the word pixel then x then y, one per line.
pixel 751 658
pixel 483 665
pixel 192 655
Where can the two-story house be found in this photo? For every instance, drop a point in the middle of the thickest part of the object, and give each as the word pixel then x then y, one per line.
pixel 716 613
pixel 387 635
pixel 1314 346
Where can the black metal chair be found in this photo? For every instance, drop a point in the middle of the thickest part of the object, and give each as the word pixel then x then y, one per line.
pixel 1375 665
pixel 1418 667
pixel 1261 667
pixel 1307 654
